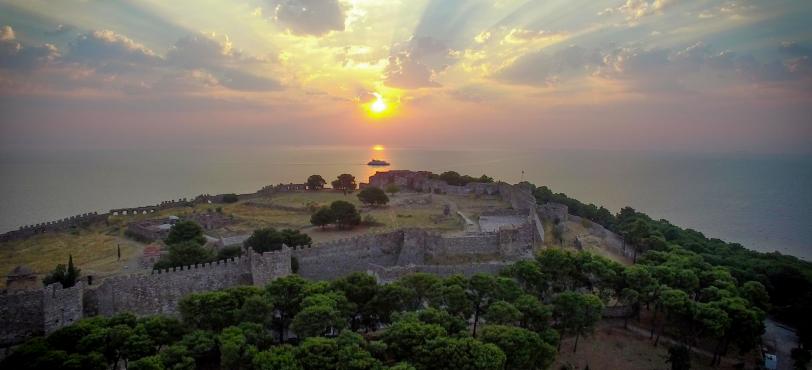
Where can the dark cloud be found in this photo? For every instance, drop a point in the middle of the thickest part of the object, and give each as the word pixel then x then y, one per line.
pixel 13 55
pixel 309 17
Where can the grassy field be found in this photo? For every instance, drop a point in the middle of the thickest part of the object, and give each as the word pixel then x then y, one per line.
pixel 93 250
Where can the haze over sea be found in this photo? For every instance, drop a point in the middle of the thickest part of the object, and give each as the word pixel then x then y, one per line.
pixel 760 201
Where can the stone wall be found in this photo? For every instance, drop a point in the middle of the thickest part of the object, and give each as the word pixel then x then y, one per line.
pixel 61 307
pixel 21 316
pixel 53 226
pixel 392 273
pixel 160 291
pixel 337 258
pixel 412 247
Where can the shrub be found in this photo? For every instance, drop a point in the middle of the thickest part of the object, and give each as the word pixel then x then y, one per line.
pixel 230 198
pixel 373 196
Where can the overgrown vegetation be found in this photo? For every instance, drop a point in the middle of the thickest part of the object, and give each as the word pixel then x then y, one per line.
pixel 786 280
pixel 66 276
pixel 421 322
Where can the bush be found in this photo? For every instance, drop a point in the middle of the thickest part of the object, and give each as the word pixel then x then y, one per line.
pixel 265 240
pixel 373 196
pixel 323 217
pixel 346 216
pixel 229 252
pixel 230 198
pixel 184 254
pixel 184 231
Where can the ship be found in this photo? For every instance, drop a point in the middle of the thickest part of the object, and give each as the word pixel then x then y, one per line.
pixel 377 162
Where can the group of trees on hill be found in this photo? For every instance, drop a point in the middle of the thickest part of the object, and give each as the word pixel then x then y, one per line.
pixel 454 178
pixel 787 280
pixel 509 321
pixel 344 181
pixel 269 239
pixel 186 244
pixel 341 213
pixel 67 276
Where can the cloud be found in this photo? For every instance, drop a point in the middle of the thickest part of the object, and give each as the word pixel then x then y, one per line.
pixel 225 64
pixel 652 69
pixel 110 52
pixel 638 9
pixel 310 17
pixel 418 63
pixel 199 51
pixel 60 30
pixel 13 55
pixel 542 68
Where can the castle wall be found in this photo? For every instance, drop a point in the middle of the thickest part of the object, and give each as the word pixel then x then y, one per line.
pixel 61 307
pixel 337 258
pixel 270 265
pixel 160 292
pixel 21 316
pixel 393 273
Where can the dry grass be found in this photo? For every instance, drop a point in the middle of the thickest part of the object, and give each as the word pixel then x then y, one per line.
pixel 612 347
pixel 93 250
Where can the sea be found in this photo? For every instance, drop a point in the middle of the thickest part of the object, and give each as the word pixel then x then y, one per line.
pixel 763 202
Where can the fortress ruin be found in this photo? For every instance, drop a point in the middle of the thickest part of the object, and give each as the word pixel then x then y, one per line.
pixel 505 237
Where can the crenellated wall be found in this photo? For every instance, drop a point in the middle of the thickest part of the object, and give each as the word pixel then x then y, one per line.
pixel 54 226
pixel 413 247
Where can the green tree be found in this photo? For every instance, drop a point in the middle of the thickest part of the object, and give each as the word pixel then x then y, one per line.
pixel 235 351
pixel 525 348
pixel 323 217
pixel 317 353
pixel 184 253
pixel 185 231
pixel 67 277
pixel 481 292
pixel 277 358
pixel 147 363
pixel 406 334
pixel 265 240
pixel 373 195
pixel 318 319
pixel 576 314
pixel 534 315
pixel 286 295
pixel 209 310
pixel 421 284
pixel 459 353
pixel 359 288
pixel 502 313
pixel 315 182
pixel 346 216
pixel 177 357
pixel 344 182
pixel 295 238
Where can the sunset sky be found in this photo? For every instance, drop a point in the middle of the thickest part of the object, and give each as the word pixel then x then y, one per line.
pixel 673 75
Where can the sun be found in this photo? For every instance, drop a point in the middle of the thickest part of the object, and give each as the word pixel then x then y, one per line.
pixel 379 106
